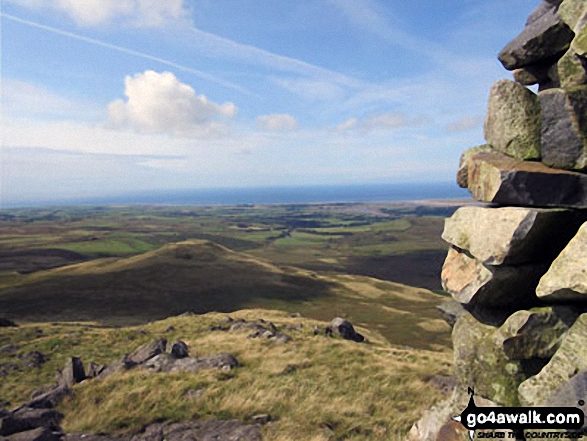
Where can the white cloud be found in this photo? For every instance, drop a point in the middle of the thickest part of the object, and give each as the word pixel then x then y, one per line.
pixel 139 13
pixel 466 123
pixel 160 103
pixel 346 125
pixel 22 98
pixel 277 122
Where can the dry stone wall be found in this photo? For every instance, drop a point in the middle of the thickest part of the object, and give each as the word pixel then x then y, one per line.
pixel 517 264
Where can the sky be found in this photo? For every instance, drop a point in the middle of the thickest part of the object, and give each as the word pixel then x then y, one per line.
pixel 103 97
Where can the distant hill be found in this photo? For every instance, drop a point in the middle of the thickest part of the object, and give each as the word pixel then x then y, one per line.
pixel 202 276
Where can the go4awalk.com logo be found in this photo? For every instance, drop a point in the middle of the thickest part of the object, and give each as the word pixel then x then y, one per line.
pixel 567 420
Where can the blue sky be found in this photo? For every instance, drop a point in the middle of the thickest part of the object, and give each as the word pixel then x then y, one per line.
pixel 110 96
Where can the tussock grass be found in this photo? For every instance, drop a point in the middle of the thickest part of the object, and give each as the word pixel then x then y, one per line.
pixel 315 387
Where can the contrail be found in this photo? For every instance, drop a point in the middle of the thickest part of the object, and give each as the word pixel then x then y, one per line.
pixel 124 50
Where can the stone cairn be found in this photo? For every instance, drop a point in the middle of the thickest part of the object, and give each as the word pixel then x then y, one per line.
pixel 517 264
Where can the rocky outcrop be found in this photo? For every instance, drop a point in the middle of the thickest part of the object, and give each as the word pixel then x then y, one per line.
pixel 345 329
pixel 518 267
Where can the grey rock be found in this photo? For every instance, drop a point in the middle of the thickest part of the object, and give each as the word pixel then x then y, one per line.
pixel 86 437
pixel 34 359
pixel 73 372
pixel 536 333
pixel 179 350
pixel 571 69
pixel 160 363
pixel 211 362
pixel 148 351
pixel 543 8
pixel 262 418
pixel 463 172
pixel 512 124
pixel 545 37
pixel 123 364
pixel 40 434
pixel 504 287
pixel 345 329
pixel 569 359
pixel 564 128
pixel 29 419
pixel 566 279
pixel 572 12
pixel 497 178
pixel 250 326
pixel 450 311
pixel 94 370
pixel 281 338
pixel 518 235
pixel 49 399
pixel 209 430
pixel 6 323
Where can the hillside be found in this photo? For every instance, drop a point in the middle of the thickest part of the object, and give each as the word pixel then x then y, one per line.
pixel 201 276
pixel 313 387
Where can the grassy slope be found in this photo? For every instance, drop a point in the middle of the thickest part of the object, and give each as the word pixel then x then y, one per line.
pixel 315 388
pixel 201 276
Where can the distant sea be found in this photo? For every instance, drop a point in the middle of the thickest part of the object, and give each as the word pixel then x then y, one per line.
pixel 270 195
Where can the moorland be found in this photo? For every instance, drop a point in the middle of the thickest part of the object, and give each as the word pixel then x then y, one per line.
pixel 94 282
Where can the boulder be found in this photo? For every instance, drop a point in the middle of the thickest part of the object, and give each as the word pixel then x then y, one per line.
pixel 160 363
pixel 536 333
pixel 572 12
pixel 502 287
pixel 121 365
pixel 463 171
pixel 280 338
pixel 564 128
pixel 29 419
pixel 208 430
pixel 518 236
pixel 94 370
pixel 568 360
pixel 480 364
pixel 148 351
pixel 73 372
pixel 345 329
pixel 49 399
pixel 6 323
pixel 571 70
pixel 40 434
pixel 530 75
pixel 512 124
pixel 566 279
pixel 497 178
pixel 179 350
pixel 450 310
pixel 190 364
pixel 545 37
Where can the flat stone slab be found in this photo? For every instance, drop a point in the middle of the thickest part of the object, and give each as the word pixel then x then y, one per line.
pixel 512 124
pixel 463 172
pixel 545 37
pixel 503 287
pixel 500 179
pixel 566 279
pixel 512 235
pixel 570 359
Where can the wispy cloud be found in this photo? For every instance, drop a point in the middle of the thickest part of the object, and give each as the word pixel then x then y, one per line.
pixel 366 15
pixel 137 13
pixel 196 72
pixel 463 124
pixel 218 46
